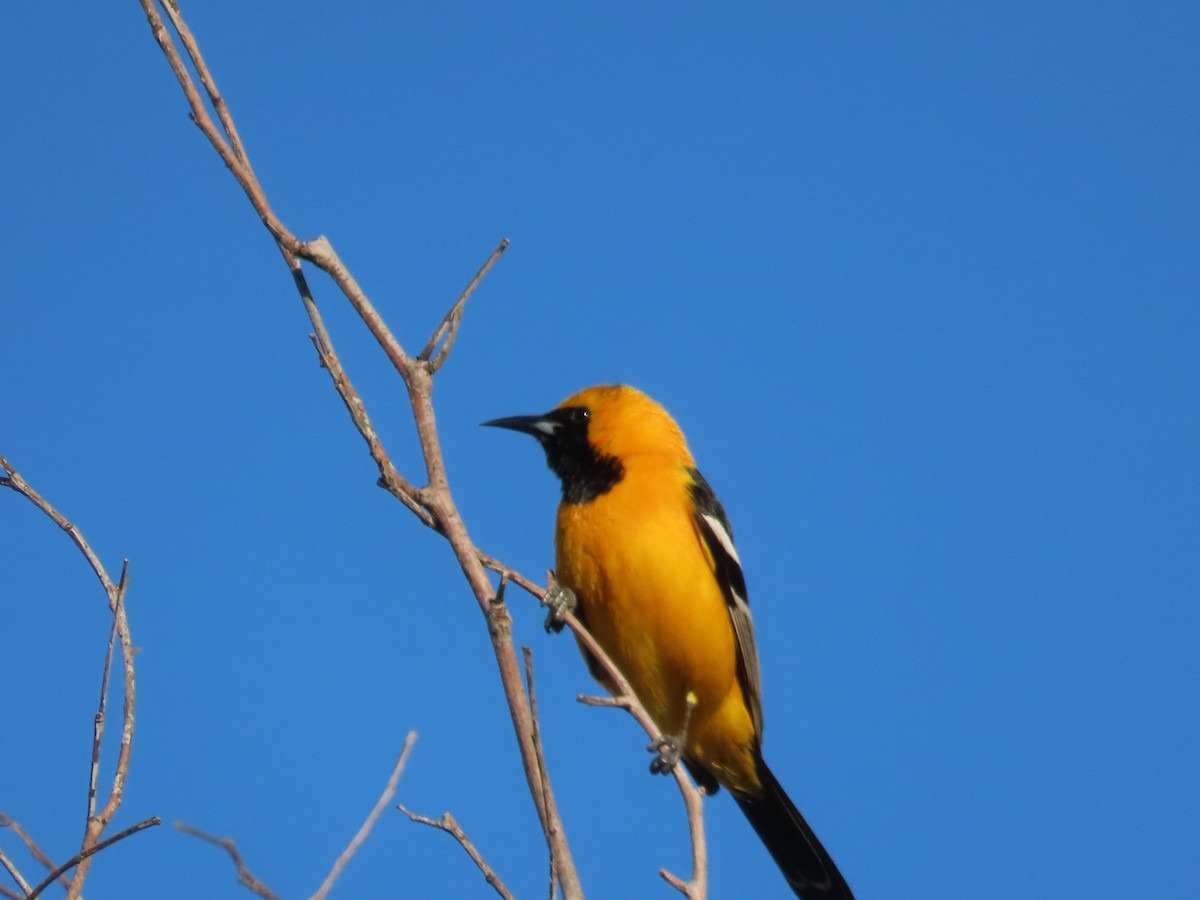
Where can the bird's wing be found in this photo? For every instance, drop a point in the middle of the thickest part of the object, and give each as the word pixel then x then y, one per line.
pixel 727 568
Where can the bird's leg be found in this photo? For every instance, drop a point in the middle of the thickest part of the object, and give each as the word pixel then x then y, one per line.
pixel 669 747
pixel 559 600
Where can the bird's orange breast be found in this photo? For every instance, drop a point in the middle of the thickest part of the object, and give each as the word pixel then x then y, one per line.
pixel 648 594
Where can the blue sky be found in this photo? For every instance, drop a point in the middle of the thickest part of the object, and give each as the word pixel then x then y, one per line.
pixel 919 281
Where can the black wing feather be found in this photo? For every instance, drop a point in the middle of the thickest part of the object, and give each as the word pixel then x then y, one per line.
pixel 718 537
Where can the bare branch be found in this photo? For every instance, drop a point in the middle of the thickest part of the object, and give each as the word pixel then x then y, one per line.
pixel 245 876
pixel 454 317
pixel 676 882
pixel 625 698
pixel 96 823
pixel 14 872
pixel 207 80
pixel 397 485
pixel 527 654
pixel 84 855
pixel 532 587
pixel 693 798
pixel 433 504
pixel 32 845
pixel 98 727
pixel 537 743
pixel 384 799
pixel 448 824
pixel 22 487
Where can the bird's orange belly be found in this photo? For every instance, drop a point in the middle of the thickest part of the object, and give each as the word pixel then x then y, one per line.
pixel 648 596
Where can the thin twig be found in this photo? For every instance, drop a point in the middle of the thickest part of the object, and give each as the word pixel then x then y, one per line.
pixel 530 586
pixel 14 872
pixel 87 854
pixel 32 845
pixel 96 823
pixel 98 727
pixel 453 318
pixel 210 84
pixel 448 824
pixel 537 744
pixel 22 487
pixel 384 799
pixel 245 876
pixel 396 484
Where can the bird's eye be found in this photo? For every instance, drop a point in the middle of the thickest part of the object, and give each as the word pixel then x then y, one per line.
pixel 580 415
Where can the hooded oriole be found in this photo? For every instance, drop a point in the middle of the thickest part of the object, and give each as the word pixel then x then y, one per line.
pixel 644 545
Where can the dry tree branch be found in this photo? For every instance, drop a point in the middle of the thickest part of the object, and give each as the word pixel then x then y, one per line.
pixel 96 822
pixel 453 318
pixel 397 484
pixel 210 86
pixel 624 697
pixel 433 503
pixel 14 872
pixel 32 845
pixel 434 499
pixel 693 798
pixel 245 876
pixel 21 486
pixel 527 653
pixel 384 799
pixel 539 749
pixel 88 852
pixel 98 727
pixel 449 824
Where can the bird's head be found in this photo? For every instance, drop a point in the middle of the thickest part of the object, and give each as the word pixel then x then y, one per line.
pixel 591 436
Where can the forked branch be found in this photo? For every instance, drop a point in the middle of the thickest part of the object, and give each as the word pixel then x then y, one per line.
pixel 432 503
pixel 95 822
pixel 449 824
pixel 32 846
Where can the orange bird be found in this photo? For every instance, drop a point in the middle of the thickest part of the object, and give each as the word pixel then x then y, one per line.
pixel 644 546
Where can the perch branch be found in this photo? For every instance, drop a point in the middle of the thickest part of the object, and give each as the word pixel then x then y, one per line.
pixel 432 504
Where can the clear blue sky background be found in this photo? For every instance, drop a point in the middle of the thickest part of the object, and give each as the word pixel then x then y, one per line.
pixel 920 281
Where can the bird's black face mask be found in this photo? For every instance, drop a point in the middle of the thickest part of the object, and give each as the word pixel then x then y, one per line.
pixel 585 473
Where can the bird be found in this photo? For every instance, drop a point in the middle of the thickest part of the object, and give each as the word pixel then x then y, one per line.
pixel 646 551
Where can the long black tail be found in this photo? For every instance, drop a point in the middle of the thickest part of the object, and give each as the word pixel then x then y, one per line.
pixel 805 864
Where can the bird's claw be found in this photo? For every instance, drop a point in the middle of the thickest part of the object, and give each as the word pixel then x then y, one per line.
pixel 668 751
pixel 560 601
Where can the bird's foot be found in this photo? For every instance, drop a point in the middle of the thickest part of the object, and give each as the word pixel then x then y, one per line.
pixel 668 750
pixel 560 601
pixel 669 747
